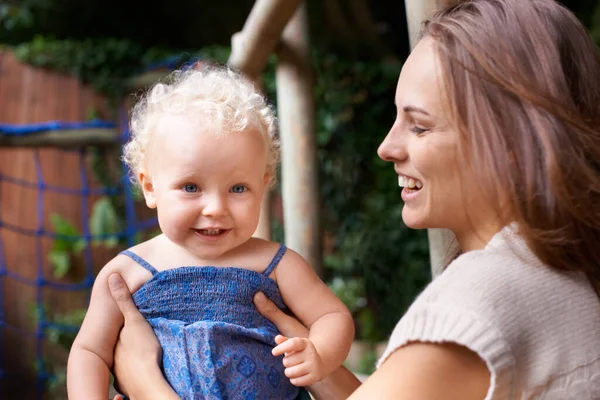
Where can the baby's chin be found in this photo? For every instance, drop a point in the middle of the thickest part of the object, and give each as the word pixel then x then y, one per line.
pixel 215 251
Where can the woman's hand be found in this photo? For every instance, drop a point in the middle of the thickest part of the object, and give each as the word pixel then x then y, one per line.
pixel 340 384
pixel 286 325
pixel 138 353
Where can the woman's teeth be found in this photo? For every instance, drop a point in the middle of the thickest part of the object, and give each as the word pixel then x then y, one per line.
pixel 410 183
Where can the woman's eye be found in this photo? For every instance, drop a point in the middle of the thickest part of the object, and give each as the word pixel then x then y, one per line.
pixel 415 129
pixel 238 189
pixel 190 188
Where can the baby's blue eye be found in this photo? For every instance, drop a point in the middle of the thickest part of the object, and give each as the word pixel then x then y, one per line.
pixel 238 189
pixel 190 188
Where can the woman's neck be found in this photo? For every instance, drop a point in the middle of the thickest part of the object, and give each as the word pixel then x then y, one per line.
pixel 478 237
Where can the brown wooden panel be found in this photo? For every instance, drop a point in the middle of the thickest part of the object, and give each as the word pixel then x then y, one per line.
pixel 30 95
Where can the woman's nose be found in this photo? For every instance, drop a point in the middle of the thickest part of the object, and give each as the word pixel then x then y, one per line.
pixel 393 147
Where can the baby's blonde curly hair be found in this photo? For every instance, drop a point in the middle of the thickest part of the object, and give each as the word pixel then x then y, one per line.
pixel 221 99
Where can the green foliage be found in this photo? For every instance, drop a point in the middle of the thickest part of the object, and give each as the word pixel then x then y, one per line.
pixel 367 363
pixel 106 64
pixel 103 63
pixel 361 201
pixel 56 382
pixel 60 336
pixel 105 221
pixel 595 25
pixel 351 291
pixel 64 248
pixel 20 14
pixel 368 330
pixel 219 54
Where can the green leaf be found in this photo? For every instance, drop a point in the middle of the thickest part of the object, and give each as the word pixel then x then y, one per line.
pixel 104 221
pixel 61 261
pixel 154 233
pixel 74 317
pixel 53 335
pixel 138 195
pixel 79 246
pixel 111 242
pixel 367 363
pixel 92 113
pixel 62 226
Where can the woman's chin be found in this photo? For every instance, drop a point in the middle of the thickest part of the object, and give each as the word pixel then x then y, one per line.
pixel 412 220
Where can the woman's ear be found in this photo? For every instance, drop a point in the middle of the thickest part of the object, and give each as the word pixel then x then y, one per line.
pixel 147 188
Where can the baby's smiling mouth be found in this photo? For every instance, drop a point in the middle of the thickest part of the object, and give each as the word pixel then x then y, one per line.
pixel 211 231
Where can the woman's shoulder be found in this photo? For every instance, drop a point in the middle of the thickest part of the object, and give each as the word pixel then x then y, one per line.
pixel 502 302
pixel 506 284
pixel 505 268
pixel 468 304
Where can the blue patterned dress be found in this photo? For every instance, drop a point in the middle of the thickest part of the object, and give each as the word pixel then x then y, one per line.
pixel 215 343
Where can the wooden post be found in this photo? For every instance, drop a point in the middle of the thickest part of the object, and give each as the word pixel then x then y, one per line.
pixel 263 230
pixel 299 166
pixel 441 241
pixel 260 35
pixel 418 11
pixel 250 50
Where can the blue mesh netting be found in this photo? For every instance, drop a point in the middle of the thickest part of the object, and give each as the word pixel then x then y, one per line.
pixel 131 227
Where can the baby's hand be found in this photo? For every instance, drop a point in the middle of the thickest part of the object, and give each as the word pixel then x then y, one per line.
pixel 302 362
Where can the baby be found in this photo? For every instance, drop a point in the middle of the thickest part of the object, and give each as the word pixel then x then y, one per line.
pixel 203 150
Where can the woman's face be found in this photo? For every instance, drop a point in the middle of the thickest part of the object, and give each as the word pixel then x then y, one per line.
pixel 438 190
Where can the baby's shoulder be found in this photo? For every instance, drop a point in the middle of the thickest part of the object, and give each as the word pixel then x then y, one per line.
pixel 261 245
pixel 260 255
pixel 129 269
pixel 258 249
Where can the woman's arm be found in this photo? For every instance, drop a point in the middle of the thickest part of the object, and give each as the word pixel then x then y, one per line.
pixel 137 354
pixel 417 371
pixel 428 371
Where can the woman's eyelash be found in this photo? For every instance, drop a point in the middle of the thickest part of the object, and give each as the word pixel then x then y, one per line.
pixel 417 130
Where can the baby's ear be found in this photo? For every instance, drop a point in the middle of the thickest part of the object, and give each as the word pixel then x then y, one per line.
pixel 267 179
pixel 147 188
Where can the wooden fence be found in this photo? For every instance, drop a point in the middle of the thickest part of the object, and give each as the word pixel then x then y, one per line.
pixel 30 95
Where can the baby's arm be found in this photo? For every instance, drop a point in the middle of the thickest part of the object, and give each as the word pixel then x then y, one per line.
pixel 331 326
pixel 91 356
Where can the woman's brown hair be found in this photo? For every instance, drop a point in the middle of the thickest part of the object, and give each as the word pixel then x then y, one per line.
pixel 522 80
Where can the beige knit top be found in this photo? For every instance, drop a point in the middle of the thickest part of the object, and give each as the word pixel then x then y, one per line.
pixel 538 330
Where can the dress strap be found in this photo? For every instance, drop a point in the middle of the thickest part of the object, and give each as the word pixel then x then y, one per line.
pixel 275 261
pixel 145 264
